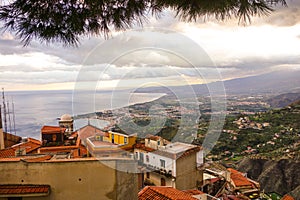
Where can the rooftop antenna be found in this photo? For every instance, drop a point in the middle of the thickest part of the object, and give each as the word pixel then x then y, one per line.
pixel 14 119
pixel 4 111
pixel 2 145
pixel 9 119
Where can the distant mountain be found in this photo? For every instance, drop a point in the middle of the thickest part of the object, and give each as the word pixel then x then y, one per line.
pixel 274 82
pixel 283 100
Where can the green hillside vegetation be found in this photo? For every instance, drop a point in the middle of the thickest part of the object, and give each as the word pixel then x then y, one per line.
pixel 272 134
pixel 279 137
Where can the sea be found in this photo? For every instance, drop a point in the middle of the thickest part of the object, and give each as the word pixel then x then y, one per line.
pixel 34 109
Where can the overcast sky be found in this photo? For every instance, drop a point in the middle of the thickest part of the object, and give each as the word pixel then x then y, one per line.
pixel 165 52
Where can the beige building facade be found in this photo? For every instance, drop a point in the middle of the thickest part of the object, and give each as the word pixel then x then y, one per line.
pixel 73 178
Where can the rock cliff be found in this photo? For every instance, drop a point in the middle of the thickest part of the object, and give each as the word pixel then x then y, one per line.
pixel 281 176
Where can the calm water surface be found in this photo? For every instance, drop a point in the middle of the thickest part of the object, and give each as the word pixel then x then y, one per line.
pixel 33 109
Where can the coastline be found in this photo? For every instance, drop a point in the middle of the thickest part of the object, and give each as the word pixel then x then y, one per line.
pixel 35 109
pixel 95 115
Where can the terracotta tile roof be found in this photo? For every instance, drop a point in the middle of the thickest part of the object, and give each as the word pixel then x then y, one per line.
pixel 56 149
pixel 89 131
pixel 34 158
pixel 238 179
pixel 15 159
pixel 143 147
pixel 38 159
pixel 287 197
pixel 52 129
pixel 23 189
pixel 163 193
pixel 5 153
pixel 194 192
pixel 153 137
pixel 29 146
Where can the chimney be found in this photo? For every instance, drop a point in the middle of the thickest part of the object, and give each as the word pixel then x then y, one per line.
pixel 2 146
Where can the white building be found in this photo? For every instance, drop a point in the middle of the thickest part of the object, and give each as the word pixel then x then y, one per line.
pixel 174 164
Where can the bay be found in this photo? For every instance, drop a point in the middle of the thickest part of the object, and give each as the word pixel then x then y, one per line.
pixel 34 109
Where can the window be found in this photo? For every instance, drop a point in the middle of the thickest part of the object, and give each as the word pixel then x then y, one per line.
pixel 148 175
pixel 162 182
pixel 125 140
pixel 141 157
pixel 158 142
pixel 54 137
pixel 112 138
pixel 147 158
pixel 162 163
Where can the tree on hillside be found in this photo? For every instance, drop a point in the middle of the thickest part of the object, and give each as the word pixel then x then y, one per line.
pixel 66 20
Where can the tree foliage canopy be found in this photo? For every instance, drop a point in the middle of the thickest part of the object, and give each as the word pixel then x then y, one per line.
pixel 66 20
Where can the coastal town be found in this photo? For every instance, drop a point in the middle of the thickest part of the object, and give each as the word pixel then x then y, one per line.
pixel 150 100
pixel 98 163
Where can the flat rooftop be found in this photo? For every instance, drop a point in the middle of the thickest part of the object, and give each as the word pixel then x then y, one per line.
pixel 177 150
pixel 177 147
pixel 97 143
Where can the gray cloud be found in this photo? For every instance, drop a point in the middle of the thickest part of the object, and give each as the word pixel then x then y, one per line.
pixel 155 48
pixel 149 54
pixel 257 63
pixel 282 16
pixel 285 17
pixel 37 77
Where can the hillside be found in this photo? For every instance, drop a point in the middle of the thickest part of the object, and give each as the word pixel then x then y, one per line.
pixel 295 104
pixel 280 176
pixel 271 134
pixel 283 100
pixel 274 82
pixel 275 163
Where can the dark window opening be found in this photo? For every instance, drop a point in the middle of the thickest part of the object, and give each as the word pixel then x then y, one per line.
pixel 14 198
pixel 162 163
pixel 162 182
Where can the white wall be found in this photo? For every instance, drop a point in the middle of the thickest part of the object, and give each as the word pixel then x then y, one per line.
pixel 200 159
pixel 154 160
